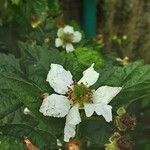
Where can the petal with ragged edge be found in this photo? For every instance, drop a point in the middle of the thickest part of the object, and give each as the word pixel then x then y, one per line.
pixel 105 94
pixel 55 106
pixel 90 76
pixel 104 110
pixel 69 132
pixel 89 109
pixel 59 79
pixel 68 29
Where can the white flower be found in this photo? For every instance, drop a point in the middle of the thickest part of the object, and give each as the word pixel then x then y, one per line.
pixel 73 96
pixel 67 36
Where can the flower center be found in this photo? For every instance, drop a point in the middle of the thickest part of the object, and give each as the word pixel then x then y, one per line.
pixel 67 38
pixel 80 94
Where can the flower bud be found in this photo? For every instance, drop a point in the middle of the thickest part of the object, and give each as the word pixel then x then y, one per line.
pixel 73 145
pixel 124 143
pixel 118 142
pixel 34 21
pixel 125 120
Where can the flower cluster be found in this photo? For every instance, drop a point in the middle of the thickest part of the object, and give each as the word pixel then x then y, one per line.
pixel 73 96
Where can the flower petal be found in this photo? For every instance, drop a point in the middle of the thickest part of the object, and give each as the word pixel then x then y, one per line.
pixel 59 79
pixel 69 131
pixel 27 111
pixel 58 42
pixel 105 94
pixel 104 110
pixel 55 106
pixel 60 32
pixel 90 76
pixel 68 29
pixel 89 109
pixel 69 47
pixel 77 37
pixel 73 117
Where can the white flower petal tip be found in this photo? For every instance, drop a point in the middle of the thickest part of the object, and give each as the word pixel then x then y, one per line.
pixel 69 48
pixel 59 79
pixel 55 106
pixel 89 109
pixel 77 37
pixel 104 110
pixel 68 29
pixel 105 94
pixel 90 76
pixel 58 42
pixel 73 117
pixel 27 111
pixel 69 132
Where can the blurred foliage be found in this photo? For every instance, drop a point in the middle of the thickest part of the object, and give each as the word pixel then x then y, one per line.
pixel 129 23
pixel 26 20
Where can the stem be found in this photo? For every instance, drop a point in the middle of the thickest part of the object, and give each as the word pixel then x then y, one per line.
pixel 137 99
pixel 77 132
pixel 40 29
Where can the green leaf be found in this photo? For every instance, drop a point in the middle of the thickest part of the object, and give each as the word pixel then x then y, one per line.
pixel 10 64
pixel 116 75
pixel 8 107
pixel 94 133
pixel 36 62
pixel 11 143
pixel 27 92
pixel 41 139
pixel 134 78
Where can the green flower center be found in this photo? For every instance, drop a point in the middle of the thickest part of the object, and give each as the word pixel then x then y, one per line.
pixel 80 94
pixel 67 38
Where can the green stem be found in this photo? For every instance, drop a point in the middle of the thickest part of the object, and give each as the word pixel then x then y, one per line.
pixel 40 29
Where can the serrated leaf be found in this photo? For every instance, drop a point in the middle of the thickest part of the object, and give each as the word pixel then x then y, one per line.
pixel 36 61
pixel 8 107
pixel 134 78
pixel 27 92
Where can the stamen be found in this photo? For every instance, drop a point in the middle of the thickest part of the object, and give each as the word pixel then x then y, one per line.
pixel 79 93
